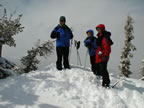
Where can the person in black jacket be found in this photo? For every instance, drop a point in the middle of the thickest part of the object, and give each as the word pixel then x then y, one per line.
pixel 62 33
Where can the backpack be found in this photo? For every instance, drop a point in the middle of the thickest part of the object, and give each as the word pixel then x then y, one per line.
pixel 107 35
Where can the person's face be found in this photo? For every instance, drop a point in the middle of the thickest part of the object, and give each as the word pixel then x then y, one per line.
pixel 62 22
pixel 89 34
pixel 99 30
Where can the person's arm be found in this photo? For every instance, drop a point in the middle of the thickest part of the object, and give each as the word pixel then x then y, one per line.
pixel 55 34
pixel 107 49
pixel 87 42
pixel 71 34
pixel 95 44
pixel 71 37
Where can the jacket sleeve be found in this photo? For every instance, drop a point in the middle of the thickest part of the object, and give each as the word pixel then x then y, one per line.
pixel 71 34
pixel 87 42
pixel 71 37
pixel 95 44
pixel 54 34
pixel 106 47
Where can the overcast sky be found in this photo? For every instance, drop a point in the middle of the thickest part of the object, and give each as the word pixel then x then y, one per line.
pixel 41 16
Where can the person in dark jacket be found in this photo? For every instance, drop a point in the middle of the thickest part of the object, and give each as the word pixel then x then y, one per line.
pixel 62 33
pixel 90 43
pixel 103 53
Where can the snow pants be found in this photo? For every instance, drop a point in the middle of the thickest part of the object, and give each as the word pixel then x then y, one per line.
pixel 94 66
pixel 62 53
pixel 104 73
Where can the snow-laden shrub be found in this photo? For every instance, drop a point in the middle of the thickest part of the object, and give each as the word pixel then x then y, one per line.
pixel 30 61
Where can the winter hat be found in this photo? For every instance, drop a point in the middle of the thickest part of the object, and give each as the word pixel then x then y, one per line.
pixel 91 31
pixel 101 26
pixel 62 18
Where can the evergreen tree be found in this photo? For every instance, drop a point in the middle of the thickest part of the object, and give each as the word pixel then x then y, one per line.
pixel 9 27
pixel 126 52
pixel 30 61
pixel 142 70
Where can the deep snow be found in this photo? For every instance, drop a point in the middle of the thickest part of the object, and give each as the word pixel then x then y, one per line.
pixel 75 88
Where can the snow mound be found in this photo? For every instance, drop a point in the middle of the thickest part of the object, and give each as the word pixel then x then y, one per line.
pixel 6 64
pixel 75 88
pixel 6 68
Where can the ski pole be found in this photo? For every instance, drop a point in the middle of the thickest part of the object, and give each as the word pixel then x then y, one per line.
pixel 70 50
pixel 113 86
pixel 86 58
pixel 79 58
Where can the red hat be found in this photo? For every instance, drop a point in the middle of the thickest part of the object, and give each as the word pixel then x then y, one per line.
pixel 101 26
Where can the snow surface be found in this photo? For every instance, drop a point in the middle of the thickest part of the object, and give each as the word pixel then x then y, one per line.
pixel 1 39
pixel 7 67
pixel 75 88
pixel 6 64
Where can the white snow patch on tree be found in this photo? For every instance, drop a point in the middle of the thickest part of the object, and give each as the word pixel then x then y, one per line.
pixel 30 61
pixel 142 70
pixel 126 52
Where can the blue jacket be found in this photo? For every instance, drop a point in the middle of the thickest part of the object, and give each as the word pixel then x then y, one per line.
pixel 90 43
pixel 62 35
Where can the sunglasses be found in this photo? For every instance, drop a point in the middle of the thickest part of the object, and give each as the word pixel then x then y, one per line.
pixel 98 28
pixel 62 21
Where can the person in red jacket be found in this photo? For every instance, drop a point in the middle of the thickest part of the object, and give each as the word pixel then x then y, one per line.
pixel 103 53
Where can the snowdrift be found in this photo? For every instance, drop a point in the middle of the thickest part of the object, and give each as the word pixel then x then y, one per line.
pixel 75 88
pixel 7 68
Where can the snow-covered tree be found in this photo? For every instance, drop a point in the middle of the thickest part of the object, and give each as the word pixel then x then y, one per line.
pixel 30 61
pixel 142 70
pixel 7 68
pixel 9 27
pixel 126 52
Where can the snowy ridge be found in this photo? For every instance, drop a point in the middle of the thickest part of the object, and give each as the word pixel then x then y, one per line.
pixel 75 88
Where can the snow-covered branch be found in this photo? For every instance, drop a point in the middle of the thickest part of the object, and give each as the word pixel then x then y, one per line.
pixel 9 27
pixel 126 52
pixel 30 61
pixel 142 70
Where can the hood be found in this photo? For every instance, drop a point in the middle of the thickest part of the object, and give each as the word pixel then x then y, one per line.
pixel 92 32
pixel 102 26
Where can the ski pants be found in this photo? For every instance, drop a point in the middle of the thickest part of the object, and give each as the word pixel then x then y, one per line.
pixel 104 73
pixel 62 53
pixel 94 66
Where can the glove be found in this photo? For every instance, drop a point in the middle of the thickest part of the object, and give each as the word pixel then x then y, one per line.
pixel 78 45
pixel 104 59
pixel 89 45
pixel 99 53
pixel 57 34
pixel 87 42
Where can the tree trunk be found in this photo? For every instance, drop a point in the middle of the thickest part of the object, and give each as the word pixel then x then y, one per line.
pixel 1 49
